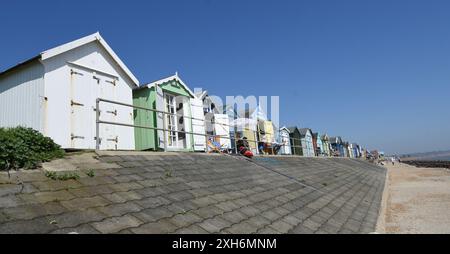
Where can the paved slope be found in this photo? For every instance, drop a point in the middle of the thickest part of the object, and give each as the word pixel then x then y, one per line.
pixel 198 193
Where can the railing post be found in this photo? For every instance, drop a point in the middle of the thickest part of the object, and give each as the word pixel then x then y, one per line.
pixel 235 143
pixel 97 127
pixel 294 146
pixel 206 133
pixel 164 132
pixel 192 136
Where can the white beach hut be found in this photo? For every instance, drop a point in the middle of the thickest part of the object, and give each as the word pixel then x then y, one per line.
pixel 215 122
pixel 222 130
pixel 56 91
pixel 198 123
pixel 285 141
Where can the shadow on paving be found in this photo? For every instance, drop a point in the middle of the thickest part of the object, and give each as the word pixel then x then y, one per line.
pixel 198 193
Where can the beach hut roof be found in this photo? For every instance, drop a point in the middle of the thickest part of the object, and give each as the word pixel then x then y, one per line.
pixel 304 131
pixel 201 94
pixel 167 79
pixel 96 37
pixel 335 140
pixel 293 129
pixel 285 128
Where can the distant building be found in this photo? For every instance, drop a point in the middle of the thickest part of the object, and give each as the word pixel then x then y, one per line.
pixel 318 144
pixel 296 144
pixel 246 128
pixel 216 123
pixel 337 147
pixel 285 141
pixel 326 145
pixel 346 149
pixel 355 150
pixel 307 142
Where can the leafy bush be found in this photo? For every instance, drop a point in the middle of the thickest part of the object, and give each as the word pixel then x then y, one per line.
pixel 90 173
pixel 62 177
pixel 22 147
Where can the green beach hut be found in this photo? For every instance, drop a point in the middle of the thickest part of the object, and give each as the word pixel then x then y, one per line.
pixel 169 95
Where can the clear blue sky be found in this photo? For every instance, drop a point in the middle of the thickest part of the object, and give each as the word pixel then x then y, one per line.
pixel 375 72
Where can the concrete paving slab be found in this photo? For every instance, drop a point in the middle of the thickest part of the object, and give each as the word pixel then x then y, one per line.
pixel 131 192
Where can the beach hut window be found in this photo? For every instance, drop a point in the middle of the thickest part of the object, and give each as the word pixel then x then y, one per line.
pixel 175 121
pixel 172 134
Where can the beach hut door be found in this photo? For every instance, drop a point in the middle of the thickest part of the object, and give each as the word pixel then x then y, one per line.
pixel 82 116
pixel 198 124
pixel 160 116
pixel 106 90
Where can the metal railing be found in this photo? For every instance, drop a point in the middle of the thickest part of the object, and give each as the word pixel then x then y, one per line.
pixel 234 136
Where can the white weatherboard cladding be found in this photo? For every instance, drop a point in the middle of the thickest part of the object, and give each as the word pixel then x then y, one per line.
pixel 160 116
pixel 187 113
pixel 307 145
pixel 222 129
pixel 198 126
pixel 97 38
pixel 320 145
pixel 62 85
pixel 285 142
pixel 22 99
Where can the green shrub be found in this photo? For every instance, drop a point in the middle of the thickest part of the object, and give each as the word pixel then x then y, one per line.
pixel 90 173
pixel 63 176
pixel 22 147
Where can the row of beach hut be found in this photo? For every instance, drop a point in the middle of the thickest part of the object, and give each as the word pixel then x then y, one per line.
pixel 57 91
